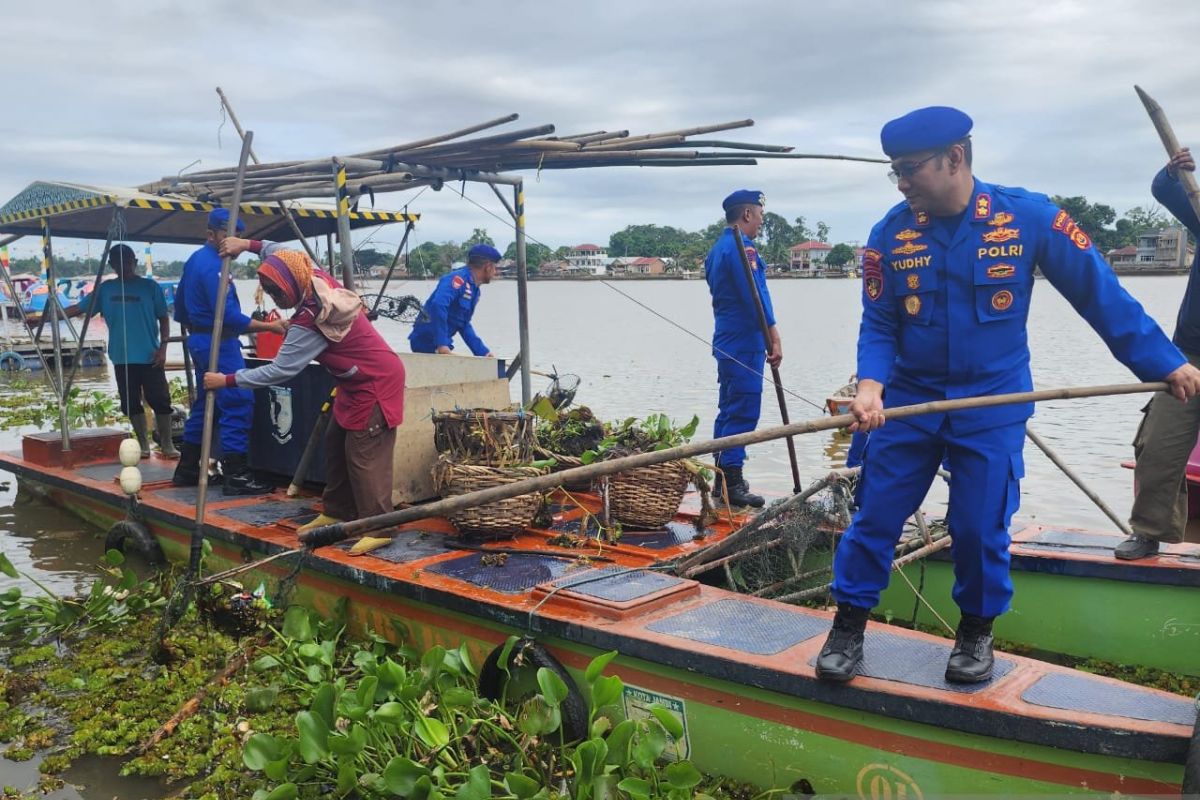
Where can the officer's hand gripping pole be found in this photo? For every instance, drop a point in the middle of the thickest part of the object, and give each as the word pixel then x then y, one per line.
pixel 766 332
pixel 331 534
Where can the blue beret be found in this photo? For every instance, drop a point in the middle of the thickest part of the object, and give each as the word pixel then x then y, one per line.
pixel 924 129
pixel 484 251
pixel 744 197
pixel 218 220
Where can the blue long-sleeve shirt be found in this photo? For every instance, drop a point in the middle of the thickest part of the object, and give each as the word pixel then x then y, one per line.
pixel 944 312
pixel 196 295
pixel 737 327
pixel 1170 192
pixel 449 310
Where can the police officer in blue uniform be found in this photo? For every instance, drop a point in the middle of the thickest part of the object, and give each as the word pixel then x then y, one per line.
pixel 947 280
pixel 738 344
pixel 195 308
pixel 449 309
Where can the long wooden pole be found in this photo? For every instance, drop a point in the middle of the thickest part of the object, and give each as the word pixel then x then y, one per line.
pixel 1066 470
pixel 89 311
pixel 1167 134
pixel 299 234
pixel 214 353
pixel 329 534
pixel 55 335
pixel 766 334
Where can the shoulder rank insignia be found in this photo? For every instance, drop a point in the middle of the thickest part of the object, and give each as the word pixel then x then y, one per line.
pixel 908 248
pixel 1001 219
pixel 1002 300
pixel 872 273
pixel 1001 235
pixel 908 234
pixel 1001 271
pixel 983 205
pixel 913 281
pixel 922 218
pixel 912 304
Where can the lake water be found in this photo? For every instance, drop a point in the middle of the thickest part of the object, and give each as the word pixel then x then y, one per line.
pixel 632 362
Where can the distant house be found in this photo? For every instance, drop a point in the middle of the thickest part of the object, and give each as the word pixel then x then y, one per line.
pixel 620 265
pixel 648 266
pixel 1123 255
pixel 506 268
pixel 1165 248
pixel 588 258
pixel 808 257
pixel 553 267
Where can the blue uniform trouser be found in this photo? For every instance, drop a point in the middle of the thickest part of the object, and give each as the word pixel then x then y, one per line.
pixel 739 400
pixel 985 467
pixel 234 409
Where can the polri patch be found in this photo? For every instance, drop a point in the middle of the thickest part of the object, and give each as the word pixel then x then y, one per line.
pixel 912 304
pixel 457 282
pixel 752 257
pixel 872 273
pixel 1066 226
pixel 1002 300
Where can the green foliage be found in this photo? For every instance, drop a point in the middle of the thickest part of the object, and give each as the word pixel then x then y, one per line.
pixel 32 403
pixel 536 254
pixel 655 432
pixel 1099 221
pixel 840 255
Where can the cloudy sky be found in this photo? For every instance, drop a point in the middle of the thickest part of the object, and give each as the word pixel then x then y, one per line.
pixel 121 93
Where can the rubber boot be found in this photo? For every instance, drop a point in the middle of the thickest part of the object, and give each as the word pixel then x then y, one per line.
pixel 843 650
pixel 739 491
pixel 971 659
pixel 166 446
pixel 239 480
pixel 138 422
pixel 187 471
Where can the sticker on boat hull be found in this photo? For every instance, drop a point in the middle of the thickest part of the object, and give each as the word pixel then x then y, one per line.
pixel 281 413
pixel 637 702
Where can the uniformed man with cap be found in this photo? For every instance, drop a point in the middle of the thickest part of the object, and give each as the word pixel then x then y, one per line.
pixel 947 280
pixel 738 344
pixel 195 307
pixel 449 309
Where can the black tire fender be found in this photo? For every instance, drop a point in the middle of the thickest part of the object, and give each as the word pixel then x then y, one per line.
pixel 527 654
pixel 129 535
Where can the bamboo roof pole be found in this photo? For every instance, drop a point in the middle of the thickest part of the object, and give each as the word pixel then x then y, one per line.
pixel 1167 134
pixel 442 137
pixel 697 130
pixel 642 144
pixel 499 138
pixel 299 234
pixel 53 308
pixel 333 533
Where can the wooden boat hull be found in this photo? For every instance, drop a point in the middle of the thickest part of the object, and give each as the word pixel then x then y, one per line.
pixel 740 680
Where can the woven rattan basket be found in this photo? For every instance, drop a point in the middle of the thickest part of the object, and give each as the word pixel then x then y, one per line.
pixel 648 497
pixel 484 437
pixel 501 519
pixel 561 463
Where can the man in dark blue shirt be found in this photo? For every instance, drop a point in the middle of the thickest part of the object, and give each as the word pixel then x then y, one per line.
pixel 195 307
pixel 1168 433
pixel 449 309
pixel 737 343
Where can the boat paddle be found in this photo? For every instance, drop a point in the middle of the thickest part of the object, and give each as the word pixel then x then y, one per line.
pixel 330 534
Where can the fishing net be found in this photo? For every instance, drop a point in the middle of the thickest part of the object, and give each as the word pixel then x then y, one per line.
pixel 407 309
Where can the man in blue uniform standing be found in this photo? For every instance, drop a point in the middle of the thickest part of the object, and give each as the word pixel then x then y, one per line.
pixel 195 307
pixel 947 280
pixel 1167 435
pixel 449 309
pixel 738 344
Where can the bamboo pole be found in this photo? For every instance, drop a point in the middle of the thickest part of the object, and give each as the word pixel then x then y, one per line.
pixel 522 293
pixel 55 336
pixel 493 123
pixel 88 312
pixel 343 223
pixel 295 226
pixel 1167 134
pixel 330 534
pixel 1095 498
pixel 214 353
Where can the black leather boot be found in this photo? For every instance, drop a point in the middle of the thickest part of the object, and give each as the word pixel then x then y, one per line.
pixel 739 490
pixel 843 650
pixel 971 659
pixel 187 471
pixel 239 480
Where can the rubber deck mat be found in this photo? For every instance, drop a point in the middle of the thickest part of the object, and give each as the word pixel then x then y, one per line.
pixel 895 657
pixel 617 584
pixel 188 495
pixel 1056 539
pixel 743 625
pixel 269 511
pixel 673 535
pixel 409 545
pixel 1084 693
pixel 516 575
pixel 577 526
pixel 153 471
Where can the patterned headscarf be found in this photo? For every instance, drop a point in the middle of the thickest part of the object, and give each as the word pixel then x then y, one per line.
pixel 292 272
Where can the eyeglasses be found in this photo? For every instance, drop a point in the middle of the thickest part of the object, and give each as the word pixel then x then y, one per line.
pixel 899 171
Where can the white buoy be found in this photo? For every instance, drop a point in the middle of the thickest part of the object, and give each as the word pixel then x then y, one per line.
pixel 130 453
pixel 131 477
